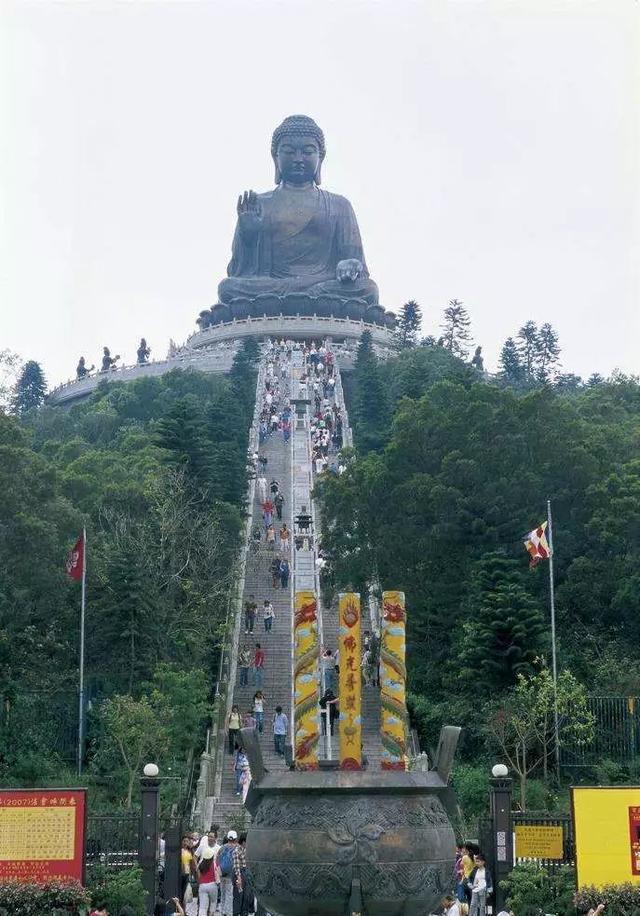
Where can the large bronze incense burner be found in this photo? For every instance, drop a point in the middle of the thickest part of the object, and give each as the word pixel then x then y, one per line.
pixel 336 842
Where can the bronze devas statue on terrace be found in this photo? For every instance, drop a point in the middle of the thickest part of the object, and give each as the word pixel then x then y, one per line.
pixel 297 249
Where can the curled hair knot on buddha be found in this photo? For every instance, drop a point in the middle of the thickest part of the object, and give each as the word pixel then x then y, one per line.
pixel 297 126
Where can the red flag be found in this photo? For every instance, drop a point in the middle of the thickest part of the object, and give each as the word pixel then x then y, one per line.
pixel 75 560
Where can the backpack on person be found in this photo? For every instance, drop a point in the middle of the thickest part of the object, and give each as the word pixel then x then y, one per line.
pixel 225 860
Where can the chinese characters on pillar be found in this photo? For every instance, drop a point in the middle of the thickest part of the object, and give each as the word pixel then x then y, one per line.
pixel 393 675
pixel 306 731
pixel 42 834
pixel 350 688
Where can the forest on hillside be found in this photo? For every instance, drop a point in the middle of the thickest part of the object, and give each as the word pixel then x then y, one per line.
pixel 451 469
pixel 156 471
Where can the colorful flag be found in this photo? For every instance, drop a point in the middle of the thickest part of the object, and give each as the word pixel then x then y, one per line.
pixel 75 560
pixel 536 545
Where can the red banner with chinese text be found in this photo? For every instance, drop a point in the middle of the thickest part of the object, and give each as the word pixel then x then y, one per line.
pixel 349 626
pixel 42 834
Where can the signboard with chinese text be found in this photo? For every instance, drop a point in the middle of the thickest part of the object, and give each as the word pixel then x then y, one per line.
pixel 393 677
pixel 42 834
pixel 538 841
pixel 306 705
pixel 349 628
pixel 606 823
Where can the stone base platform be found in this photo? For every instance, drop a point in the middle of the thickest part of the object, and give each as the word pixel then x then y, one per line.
pixel 296 327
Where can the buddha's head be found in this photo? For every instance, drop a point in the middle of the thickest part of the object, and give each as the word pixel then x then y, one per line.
pixel 298 149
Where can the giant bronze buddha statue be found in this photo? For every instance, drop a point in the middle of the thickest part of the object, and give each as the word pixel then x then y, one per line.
pixel 297 239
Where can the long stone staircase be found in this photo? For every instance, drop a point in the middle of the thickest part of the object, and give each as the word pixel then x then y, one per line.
pixel 371 741
pixel 290 464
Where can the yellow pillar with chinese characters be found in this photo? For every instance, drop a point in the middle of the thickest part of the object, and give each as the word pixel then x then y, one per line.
pixel 349 627
pixel 393 676
pixel 306 706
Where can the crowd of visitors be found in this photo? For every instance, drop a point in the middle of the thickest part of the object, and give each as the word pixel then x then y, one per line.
pixel 214 874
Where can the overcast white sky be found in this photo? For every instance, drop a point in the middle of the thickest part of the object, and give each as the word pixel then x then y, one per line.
pixel 490 149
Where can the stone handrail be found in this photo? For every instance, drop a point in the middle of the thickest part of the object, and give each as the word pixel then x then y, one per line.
pixel 291 325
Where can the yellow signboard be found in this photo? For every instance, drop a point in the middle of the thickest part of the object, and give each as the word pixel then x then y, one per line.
pixel 606 823
pixel 535 841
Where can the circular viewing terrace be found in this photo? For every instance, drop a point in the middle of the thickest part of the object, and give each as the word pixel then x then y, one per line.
pixel 212 348
pixel 296 327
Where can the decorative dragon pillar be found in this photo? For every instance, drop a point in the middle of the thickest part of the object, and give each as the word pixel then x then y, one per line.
pixel 305 727
pixel 350 681
pixel 393 676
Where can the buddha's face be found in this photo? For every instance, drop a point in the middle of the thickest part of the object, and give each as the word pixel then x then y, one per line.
pixel 298 159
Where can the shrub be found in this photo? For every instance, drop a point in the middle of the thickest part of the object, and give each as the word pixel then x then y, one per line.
pixel 117 888
pixel 20 898
pixel 621 899
pixel 532 890
pixel 471 785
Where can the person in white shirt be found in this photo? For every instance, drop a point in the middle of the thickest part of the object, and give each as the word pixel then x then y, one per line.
pixel 451 907
pixel 208 841
pixel 480 885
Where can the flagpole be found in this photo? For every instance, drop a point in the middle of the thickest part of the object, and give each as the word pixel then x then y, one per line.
pixel 82 606
pixel 554 663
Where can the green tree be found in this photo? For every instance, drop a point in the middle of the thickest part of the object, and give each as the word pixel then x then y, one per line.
pixel 179 698
pixel 504 631
pixel 135 732
pixel 548 353
pixel 370 397
pixel 127 613
pixel 455 329
pixel 409 324
pixel 511 369
pixel 528 349
pixel 522 725
pixel 30 388
pixel 243 373
pixel 182 433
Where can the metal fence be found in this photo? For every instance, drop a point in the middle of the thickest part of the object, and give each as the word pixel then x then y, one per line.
pixel 112 840
pixel 616 733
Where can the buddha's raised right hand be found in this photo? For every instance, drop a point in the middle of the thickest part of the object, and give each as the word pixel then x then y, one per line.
pixel 249 212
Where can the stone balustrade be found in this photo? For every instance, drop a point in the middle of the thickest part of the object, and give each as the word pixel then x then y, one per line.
pixel 296 327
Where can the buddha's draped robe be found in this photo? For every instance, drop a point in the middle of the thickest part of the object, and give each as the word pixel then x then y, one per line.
pixel 303 235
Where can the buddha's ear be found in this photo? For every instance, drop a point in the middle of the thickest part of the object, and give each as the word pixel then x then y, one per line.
pixel 278 176
pixel 317 178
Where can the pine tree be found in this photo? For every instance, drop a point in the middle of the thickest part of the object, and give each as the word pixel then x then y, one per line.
pixel 182 432
pixel 371 412
pixel 227 449
pixel 243 373
pixel 548 355
pixel 125 612
pixel 30 389
pixel 505 631
pixel 511 370
pixel 455 328
pixel 409 324
pixel 528 344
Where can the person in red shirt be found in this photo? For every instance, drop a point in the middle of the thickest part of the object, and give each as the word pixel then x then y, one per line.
pixel 258 665
pixel 208 879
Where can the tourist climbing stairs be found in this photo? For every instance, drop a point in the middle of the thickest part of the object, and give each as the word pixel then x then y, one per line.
pixel 227 809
